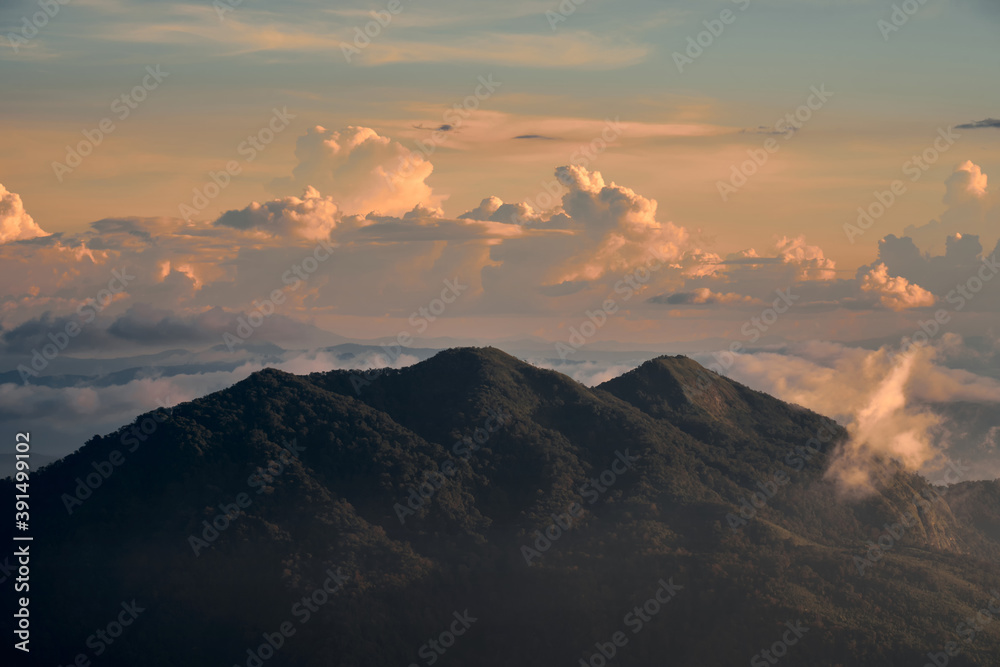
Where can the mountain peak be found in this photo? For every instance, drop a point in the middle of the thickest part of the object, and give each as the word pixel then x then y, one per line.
pixel 476 480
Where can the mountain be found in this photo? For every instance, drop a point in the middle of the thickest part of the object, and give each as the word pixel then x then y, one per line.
pixel 473 509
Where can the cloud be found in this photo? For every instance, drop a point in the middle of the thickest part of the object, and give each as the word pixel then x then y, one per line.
pixel 517 259
pixel 886 426
pixel 942 275
pixel 495 210
pixel 311 216
pixel 621 224
pixel 700 296
pixel 972 210
pixel 765 130
pixel 361 171
pixel 883 396
pixel 147 325
pixel 143 325
pixel 967 183
pixel 979 124
pixel 589 373
pixel 69 414
pixel 809 260
pixel 895 293
pixel 567 49
pixel 15 223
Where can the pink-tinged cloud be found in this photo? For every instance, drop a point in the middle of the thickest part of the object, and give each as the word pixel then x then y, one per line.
pixel 973 209
pixel 968 182
pixel 15 223
pixel 881 396
pixel 621 224
pixel 895 292
pixel 311 216
pixel 361 171
pixel 809 260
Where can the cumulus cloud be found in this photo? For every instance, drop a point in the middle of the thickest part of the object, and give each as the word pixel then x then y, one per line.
pixel 494 209
pixel 15 223
pixel 967 183
pixel 517 259
pixel 895 293
pixel 361 171
pixel 973 210
pixel 622 225
pixel 959 277
pixel 751 277
pixel 809 260
pixel 311 216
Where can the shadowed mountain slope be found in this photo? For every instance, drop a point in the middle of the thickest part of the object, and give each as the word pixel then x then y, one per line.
pixel 474 481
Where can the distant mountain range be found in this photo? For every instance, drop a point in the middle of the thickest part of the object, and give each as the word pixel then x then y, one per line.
pixel 473 509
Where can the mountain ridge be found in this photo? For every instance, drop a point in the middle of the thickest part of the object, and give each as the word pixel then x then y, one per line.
pixel 723 496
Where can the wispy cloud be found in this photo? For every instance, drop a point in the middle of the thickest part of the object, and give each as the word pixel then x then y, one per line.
pixel 979 124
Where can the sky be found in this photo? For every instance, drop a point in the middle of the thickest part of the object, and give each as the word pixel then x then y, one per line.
pixel 561 178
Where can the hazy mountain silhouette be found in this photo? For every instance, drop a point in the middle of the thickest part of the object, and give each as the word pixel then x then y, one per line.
pixel 651 478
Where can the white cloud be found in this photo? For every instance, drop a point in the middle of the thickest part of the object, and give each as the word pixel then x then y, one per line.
pixel 809 260
pixel 967 183
pixel 973 209
pixel 311 216
pixel 895 293
pixel 15 223
pixel 361 171
pixel 882 396
pixel 621 224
